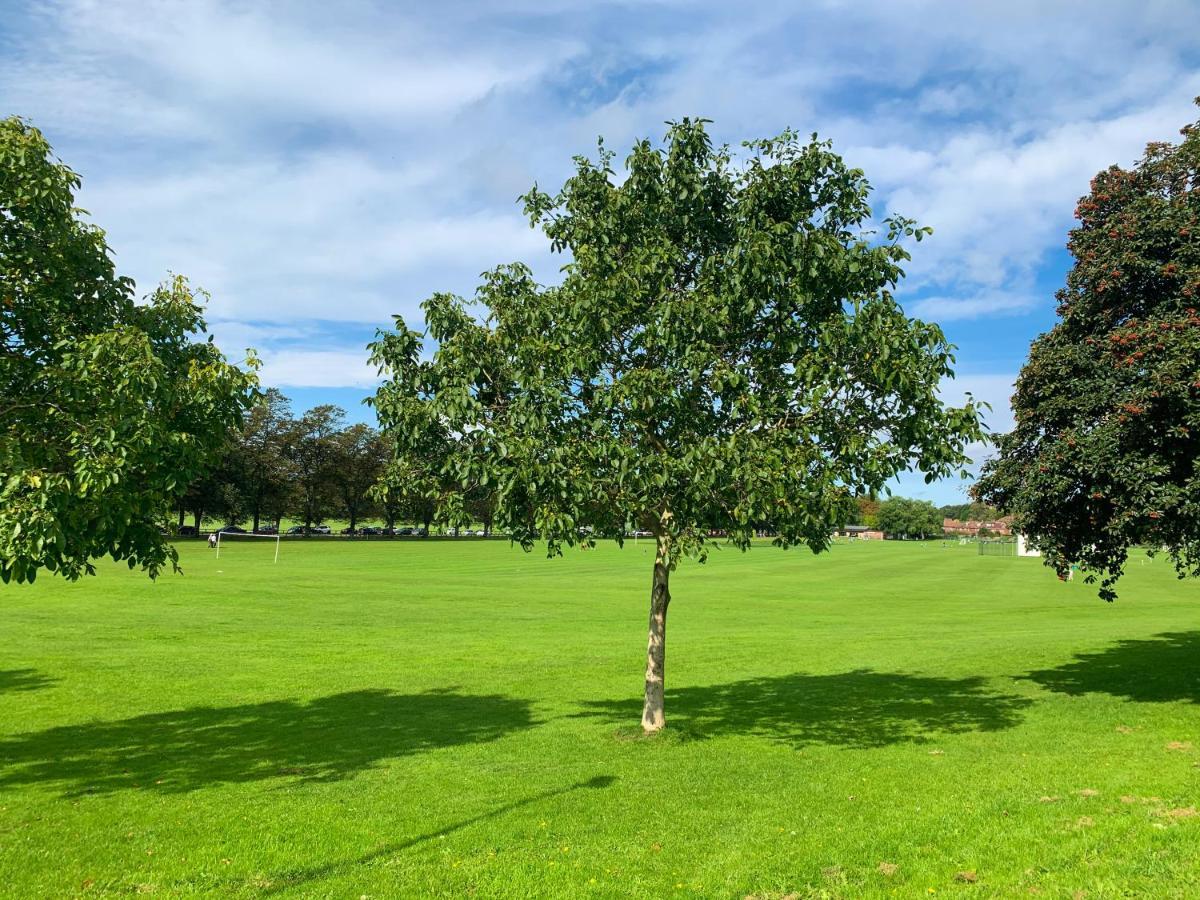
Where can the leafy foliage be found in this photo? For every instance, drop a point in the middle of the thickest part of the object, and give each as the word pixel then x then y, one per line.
pixel 902 517
pixel 359 458
pixel 108 408
pixel 968 511
pixel 313 449
pixel 262 466
pixel 1106 449
pixel 724 352
pixel 866 511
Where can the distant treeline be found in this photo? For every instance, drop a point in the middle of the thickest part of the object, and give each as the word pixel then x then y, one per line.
pixel 307 468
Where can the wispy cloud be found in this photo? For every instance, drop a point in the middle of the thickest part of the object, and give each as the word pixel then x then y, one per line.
pixel 322 166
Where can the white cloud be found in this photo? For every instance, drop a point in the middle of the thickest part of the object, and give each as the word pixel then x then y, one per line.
pixel 945 309
pixel 315 164
pixel 317 368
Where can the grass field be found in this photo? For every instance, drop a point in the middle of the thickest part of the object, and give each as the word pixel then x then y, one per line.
pixel 460 718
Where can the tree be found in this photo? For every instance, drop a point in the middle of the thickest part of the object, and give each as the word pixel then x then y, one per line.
pixel 313 453
pixel 724 353
pixel 205 496
pixel 109 408
pixel 902 517
pixel 867 511
pixel 970 511
pixel 358 461
pixel 265 469
pixel 413 482
pixel 1105 453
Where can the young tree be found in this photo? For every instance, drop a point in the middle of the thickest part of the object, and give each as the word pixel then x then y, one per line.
pixel 108 408
pixel 902 517
pixel 359 458
pixel 1106 449
pixel 723 353
pixel 313 453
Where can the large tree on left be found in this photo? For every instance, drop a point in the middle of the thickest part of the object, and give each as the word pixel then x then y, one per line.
pixel 109 408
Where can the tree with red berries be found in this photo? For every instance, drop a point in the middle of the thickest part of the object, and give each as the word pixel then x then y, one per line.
pixel 1106 450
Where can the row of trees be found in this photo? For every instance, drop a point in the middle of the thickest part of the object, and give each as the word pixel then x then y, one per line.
pixel 315 466
pixel 277 464
pixel 902 516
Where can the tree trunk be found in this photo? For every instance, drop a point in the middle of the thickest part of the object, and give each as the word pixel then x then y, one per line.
pixel 653 718
pixel 182 513
pixel 199 513
pixel 256 517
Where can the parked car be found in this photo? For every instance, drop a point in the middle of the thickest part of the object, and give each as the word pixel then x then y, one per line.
pixel 405 531
pixel 296 529
pixel 350 531
pixel 322 529
pixel 232 529
pixel 267 529
pixel 370 529
pixel 188 531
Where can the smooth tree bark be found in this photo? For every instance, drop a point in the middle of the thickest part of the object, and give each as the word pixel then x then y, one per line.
pixel 654 708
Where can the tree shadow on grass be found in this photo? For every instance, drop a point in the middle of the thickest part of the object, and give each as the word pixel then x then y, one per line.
pixel 292 879
pixel 1160 669
pixel 14 680
pixel 325 739
pixel 859 709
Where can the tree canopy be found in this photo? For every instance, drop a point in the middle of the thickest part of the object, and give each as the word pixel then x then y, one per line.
pixel 1106 449
pixel 109 408
pixel 902 517
pixel 723 352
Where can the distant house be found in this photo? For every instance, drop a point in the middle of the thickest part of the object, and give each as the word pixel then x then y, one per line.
pixel 972 527
pixel 859 532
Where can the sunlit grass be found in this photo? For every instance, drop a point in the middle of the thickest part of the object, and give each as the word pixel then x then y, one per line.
pixel 409 718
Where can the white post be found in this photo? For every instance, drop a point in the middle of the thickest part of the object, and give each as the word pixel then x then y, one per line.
pixel 277 547
pixel 218 545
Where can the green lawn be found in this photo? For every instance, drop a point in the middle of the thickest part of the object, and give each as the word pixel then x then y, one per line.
pixel 460 718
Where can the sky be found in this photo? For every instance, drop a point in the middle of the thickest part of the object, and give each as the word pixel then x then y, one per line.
pixel 320 167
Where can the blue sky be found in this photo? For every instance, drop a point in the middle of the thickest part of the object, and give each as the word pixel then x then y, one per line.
pixel 318 167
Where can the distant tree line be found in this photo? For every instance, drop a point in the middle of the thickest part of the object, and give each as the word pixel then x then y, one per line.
pixel 902 516
pixel 315 466
pixel 975 511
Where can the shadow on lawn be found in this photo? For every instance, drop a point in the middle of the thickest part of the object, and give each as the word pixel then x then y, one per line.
pixel 859 709
pixel 1152 670
pixel 13 680
pixel 325 739
pixel 289 880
